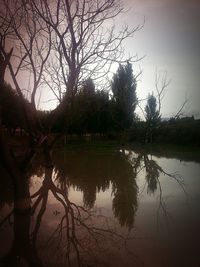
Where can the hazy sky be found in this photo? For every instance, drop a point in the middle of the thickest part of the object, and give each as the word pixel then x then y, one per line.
pixel 170 39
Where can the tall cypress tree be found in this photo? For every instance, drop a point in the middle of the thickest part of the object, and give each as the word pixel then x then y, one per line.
pixel 124 96
pixel 151 113
pixel 152 116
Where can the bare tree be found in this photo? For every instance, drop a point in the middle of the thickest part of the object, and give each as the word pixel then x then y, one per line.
pixel 68 38
pixel 153 183
pixel 32 39
pixel 85 43
pixel 161 84
pixel 152 110
pixel 61 44
pixel 5 31
pixel 181 110
pixel 76 236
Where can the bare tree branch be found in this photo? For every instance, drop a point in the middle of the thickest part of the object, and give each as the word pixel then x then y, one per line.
pixel 161 83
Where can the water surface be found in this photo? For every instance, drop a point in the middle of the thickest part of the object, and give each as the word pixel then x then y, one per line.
pixel 104 208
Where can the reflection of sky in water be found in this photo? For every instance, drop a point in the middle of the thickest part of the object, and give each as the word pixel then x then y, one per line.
pixel 164 219
pixel 176 200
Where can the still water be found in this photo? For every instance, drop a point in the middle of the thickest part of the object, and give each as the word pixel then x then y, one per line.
pixel 105 207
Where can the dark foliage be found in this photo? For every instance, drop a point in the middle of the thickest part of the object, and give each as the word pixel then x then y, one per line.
pixel 124 97
pixel 175 131
pixel 152 117
pixel 11 108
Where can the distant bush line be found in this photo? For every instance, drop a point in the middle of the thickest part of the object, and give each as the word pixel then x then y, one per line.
pixel 180 131
pixel 185 131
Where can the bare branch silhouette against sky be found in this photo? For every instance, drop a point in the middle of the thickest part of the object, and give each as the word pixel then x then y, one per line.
pixel 170 40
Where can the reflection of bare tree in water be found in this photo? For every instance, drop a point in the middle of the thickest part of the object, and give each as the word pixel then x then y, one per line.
pixel 153 171
pixel 23 251
pixel 80 235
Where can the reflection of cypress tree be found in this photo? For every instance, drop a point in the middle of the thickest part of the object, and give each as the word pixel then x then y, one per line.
pixel 87 172
pixel 152 181
pixel 125 200
pixel 152 169
pixel 152 174
pixel 90 173
pixel 89 196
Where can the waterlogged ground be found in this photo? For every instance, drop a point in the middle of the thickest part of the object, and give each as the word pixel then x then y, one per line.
pixel 104 207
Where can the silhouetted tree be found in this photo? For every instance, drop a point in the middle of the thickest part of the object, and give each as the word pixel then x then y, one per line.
pixel 152 117
pixel 68 36
pixel 90 110
pixel 124 96
pixel 88 87
pixel 103 118
pixel 12 108
pixel 62 44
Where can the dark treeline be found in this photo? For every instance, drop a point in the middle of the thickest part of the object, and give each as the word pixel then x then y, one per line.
pixel 183 131
pixel 91 111
pixel 107 115
pixel 95 111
